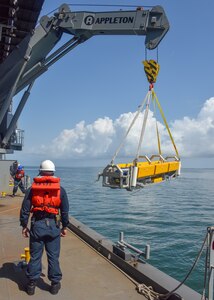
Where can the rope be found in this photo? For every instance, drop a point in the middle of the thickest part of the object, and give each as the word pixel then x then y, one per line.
pixel 143 289
pixel 151 93
pixel 165 122
pixel 190 271
pixel 157 130
pixel 148 291
pixel 144 125
pixel 131 125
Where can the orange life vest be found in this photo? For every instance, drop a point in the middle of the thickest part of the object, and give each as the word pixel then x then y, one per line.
pixel 46 194
pixel 19 174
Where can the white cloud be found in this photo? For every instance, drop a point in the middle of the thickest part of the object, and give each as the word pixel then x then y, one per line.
pixel 83 140
pixel 193 137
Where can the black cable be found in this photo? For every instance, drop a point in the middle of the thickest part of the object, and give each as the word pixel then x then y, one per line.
pixel 166 296
pixel 157 54
pixel 51 12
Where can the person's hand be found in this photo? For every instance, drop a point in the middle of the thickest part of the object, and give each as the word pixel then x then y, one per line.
pixel 63 232
pixel 25 232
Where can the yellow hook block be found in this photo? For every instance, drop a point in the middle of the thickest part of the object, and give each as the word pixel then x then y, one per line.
pixel 151 68
pixel 26 256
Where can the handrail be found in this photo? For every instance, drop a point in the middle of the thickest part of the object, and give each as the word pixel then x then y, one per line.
pixel 157 155
pixel 175 157
pixel 146 157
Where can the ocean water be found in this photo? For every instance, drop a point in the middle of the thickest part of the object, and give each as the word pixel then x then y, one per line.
pixel 172 217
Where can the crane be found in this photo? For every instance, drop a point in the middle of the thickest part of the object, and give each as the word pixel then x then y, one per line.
pixel 31 57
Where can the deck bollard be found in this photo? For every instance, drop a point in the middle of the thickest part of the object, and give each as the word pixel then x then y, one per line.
pixel 26 256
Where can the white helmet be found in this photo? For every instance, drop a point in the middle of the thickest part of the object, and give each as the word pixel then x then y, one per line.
pixel 47 165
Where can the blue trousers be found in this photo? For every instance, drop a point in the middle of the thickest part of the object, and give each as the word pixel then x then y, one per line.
pixel 18 184
pixel 44 234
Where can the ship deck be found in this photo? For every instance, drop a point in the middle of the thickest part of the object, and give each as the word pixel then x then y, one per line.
pixel 86 274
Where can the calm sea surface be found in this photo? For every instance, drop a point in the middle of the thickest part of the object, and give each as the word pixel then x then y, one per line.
pixel 172 217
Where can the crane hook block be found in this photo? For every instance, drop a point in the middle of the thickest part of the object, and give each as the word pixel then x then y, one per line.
pixel 151 68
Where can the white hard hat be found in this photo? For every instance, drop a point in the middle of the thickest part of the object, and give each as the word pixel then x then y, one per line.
pixel 47 165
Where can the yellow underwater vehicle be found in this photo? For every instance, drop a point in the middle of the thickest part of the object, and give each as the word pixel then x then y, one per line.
pixel 144 170
pixel 138 174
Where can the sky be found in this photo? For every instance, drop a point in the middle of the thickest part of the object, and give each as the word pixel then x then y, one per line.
pixel 80 109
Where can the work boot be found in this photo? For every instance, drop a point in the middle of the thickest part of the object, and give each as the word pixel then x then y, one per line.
pixel 55 287
pixel 30 289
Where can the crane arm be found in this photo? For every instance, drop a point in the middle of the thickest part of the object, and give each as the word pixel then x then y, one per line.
pixel 36 52
pixel 151 23
pixel 84 25
pixel 81 26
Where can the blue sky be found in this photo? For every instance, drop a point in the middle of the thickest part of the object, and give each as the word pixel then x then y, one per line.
pixel 79 108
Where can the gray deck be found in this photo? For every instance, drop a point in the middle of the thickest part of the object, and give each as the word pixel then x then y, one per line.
pixel 86 274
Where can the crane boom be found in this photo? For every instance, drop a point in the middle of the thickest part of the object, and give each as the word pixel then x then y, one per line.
pixel 32 57
pixel 152 23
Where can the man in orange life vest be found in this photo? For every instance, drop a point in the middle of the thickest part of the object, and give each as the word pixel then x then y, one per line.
pixel 18 176
pixel 45 199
